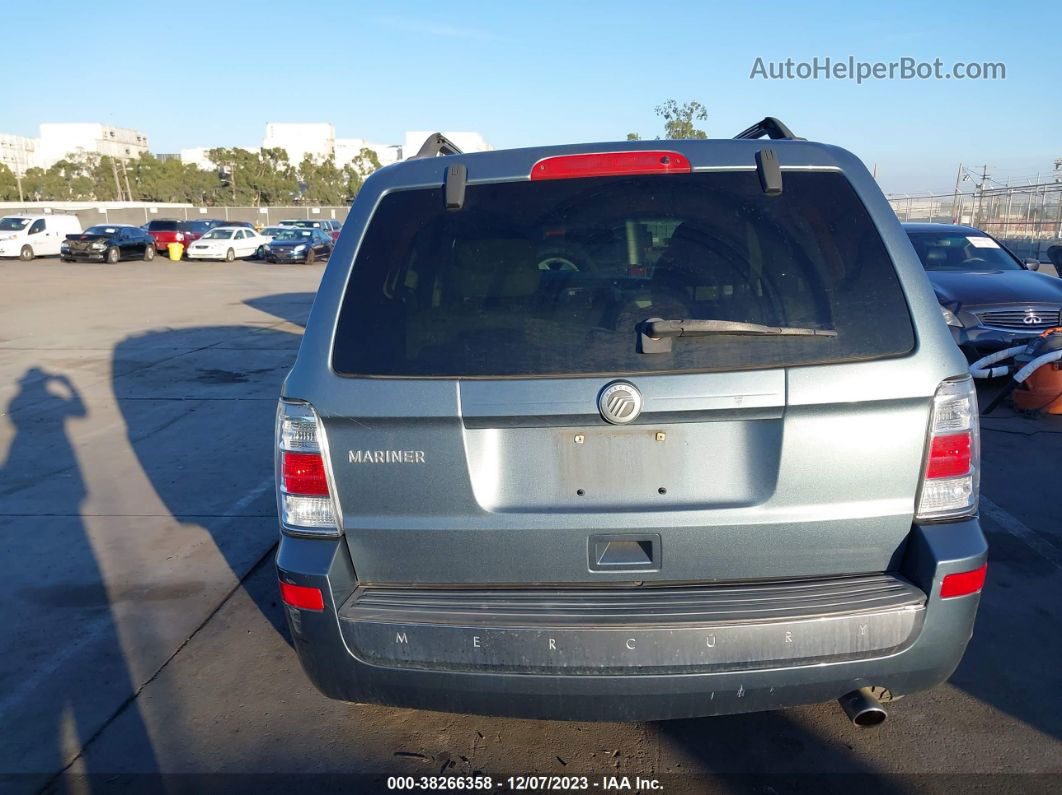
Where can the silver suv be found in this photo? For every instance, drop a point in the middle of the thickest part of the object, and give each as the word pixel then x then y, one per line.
pixel 628 431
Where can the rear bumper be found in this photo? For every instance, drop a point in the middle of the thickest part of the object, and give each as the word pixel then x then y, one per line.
pixel 327 645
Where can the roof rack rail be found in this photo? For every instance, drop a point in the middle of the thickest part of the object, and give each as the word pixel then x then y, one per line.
pixel 437 144
pixel 772 128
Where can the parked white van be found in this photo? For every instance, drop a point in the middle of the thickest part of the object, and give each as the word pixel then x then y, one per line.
pixel 29 236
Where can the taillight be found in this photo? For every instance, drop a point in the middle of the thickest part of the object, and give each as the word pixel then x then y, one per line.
pixel 304 597
pixel 302 483
pixel 611 164
pixel 303 473
pixel 963 583
pixel 951 473
pixel 949 455
pixel 179 236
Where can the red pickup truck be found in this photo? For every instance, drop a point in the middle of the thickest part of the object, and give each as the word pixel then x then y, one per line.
pixel 166 231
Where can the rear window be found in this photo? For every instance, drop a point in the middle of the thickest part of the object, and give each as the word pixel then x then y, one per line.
pixel 960 251
pixel 554 278
pixel 199 227
pixel 162 226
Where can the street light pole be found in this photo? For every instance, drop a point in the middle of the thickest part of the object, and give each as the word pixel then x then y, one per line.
pixel 980 194
pixel 955 200
pixel 125 176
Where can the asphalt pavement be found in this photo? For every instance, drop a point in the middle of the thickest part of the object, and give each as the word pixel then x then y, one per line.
pixel 144 635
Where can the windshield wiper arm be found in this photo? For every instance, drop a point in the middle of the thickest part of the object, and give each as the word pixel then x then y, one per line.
pixel 655 334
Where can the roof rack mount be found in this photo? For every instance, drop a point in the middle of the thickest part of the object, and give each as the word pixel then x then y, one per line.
pixel 770 127
pixel 437 144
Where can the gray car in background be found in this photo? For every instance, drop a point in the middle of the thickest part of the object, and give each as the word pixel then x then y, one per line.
pixel 628 431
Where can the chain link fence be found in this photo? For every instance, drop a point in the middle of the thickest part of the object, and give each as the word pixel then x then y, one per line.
pixel 1027 218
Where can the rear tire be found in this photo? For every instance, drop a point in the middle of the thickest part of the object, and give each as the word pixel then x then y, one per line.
pixel 65 259
pixel 230 255
pixel 149 253
pixel 113 255
pixel 310 256
pixel 26 254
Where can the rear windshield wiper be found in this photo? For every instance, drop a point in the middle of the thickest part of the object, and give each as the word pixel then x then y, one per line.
pixel 655 334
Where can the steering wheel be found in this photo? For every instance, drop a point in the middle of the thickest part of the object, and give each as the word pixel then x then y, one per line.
pixel 564 258
pixel 557 263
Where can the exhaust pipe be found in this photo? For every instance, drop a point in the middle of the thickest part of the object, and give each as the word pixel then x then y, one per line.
pixel 862 708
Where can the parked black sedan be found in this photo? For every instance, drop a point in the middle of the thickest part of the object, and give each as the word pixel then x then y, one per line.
pixel 990 299
pixel 109 243
pixel 298 245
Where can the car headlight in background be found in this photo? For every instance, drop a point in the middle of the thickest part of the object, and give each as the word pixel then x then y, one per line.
pixel 97 246
pixel 950 317
pixel 298 249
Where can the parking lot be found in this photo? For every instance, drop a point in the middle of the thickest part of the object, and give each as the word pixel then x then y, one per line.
pixel 144 633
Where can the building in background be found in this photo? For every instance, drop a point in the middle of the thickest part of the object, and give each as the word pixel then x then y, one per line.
pixel 16 152
pixel 197 156
pixel 58 141
pixel 349 148
pixel 299 139
pixel 316 139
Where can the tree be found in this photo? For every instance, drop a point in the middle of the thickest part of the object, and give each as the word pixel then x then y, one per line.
pixel 254 178
pixel 358 169
pixel 8 184
pixel 679 119
pixel 78 176
pixel 633 137
pixel 171 180
pixel 325 183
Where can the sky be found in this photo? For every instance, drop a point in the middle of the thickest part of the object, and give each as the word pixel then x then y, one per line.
pixel 523 74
